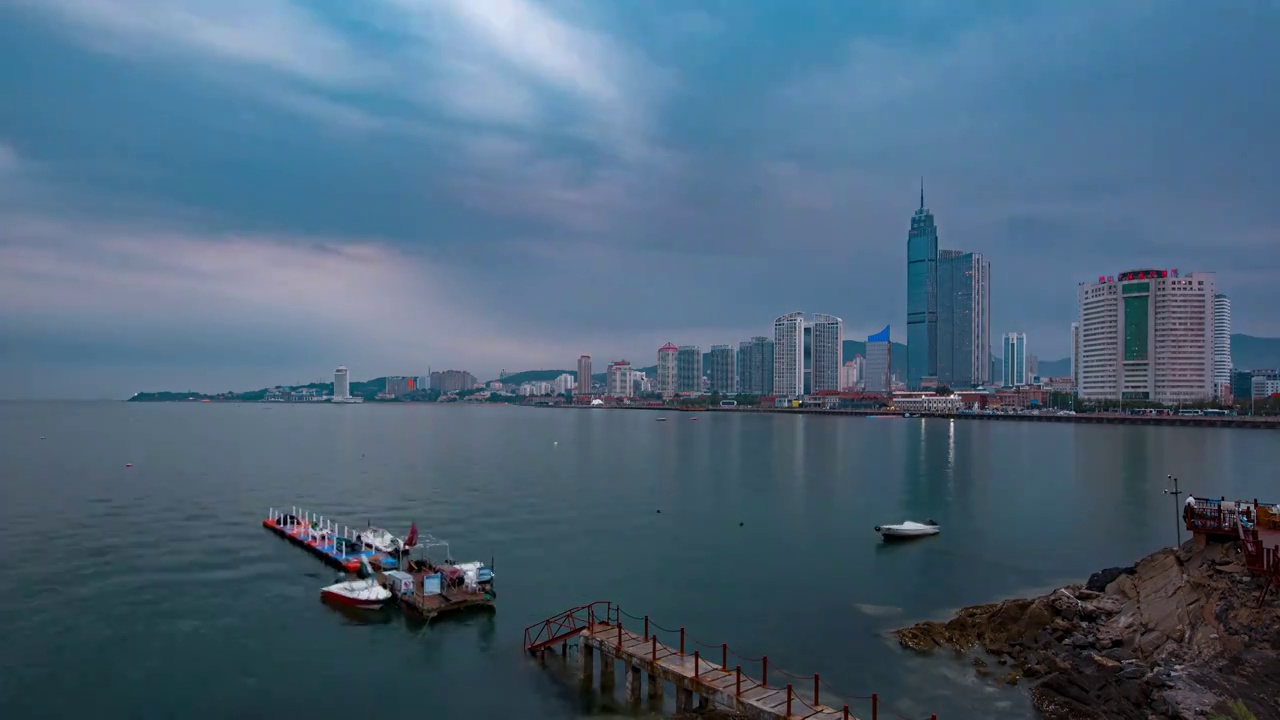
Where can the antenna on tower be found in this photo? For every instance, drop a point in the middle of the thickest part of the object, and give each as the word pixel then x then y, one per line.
pixel 921 192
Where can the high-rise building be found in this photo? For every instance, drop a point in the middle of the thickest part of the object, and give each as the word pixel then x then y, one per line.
pixel 877 378
pixel 788 355
pixel 689 369
pixel 851 374
pixel 666 380
pixel 1148 335
pixel 341 384
pixel 1222 364
pixel 722 374
pixel 755 366
pixel 922 296
pixel 826 334
pixel 453 380
pixel 1075 354
pixel 584 374
pixel 964 319
pixel 1015 360
pixel 618 379
pixel 563 384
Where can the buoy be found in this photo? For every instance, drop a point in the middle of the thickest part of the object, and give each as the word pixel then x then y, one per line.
pixel 128 464
pixel 740 524
pixel 555 442
pixel 659 511
pixel 41 437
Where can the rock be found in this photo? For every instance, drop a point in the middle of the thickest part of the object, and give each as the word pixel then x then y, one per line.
pixel 1168 637
pixel 1099 581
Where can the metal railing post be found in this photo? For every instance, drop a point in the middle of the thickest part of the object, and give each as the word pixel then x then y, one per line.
pixel 764 673
pixel 682 641
pixel 737 683
pixel 646 626
pixel 724 656
pixel 875 707
pixel 788 699
pixel 696 662
pixel 653 652
pixel 815 689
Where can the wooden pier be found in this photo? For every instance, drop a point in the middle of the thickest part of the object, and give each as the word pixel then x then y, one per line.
pixel 649 665
pixel 1256 525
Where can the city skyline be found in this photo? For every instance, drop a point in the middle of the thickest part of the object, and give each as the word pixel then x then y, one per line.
pixel 185 203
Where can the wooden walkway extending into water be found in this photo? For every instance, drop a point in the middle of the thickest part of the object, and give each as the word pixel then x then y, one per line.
pixel 598 630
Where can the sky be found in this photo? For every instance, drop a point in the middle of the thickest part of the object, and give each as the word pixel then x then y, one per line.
pixel 229 194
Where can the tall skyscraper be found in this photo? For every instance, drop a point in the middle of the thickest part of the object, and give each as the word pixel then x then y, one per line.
pixel 826 351
pixel 1015 360
pixel 788 355
pixel 584 375
pixel 666 380
pixel 1148 335
pixel 922 296
pixel 721 376
pixel 755 366
pixel 964 319
pixel 689 369
pixel 1222 364
pixel 877 364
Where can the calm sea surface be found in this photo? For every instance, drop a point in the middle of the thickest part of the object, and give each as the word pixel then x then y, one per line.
pixel 153 591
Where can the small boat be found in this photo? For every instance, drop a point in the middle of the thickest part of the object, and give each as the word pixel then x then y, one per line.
pixel 910 415
pixel 383 541
pixel 908 529
pixel 662 419
pixel 364 592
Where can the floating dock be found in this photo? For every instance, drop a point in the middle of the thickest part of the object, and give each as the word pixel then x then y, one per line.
pixel 598 629
pixel 336 545
pixel 421 587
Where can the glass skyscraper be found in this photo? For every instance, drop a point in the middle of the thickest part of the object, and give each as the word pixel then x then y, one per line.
pixel 964 318
pixel 878 362
pixel 755 366
pixel 922 296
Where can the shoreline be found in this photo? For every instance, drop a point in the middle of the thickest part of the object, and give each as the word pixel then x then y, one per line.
pixel 1252 422
pixel 1179 634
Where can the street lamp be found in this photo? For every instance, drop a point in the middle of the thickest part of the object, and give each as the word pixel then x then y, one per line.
pixel 1175 492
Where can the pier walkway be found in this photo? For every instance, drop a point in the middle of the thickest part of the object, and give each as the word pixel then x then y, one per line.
pixel 706 671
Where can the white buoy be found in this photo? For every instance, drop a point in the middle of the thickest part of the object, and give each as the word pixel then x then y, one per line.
pixel 556 442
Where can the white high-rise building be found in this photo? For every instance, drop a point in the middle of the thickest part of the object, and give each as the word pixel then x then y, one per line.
pixel 341 384
pixel 1148 335
pixel 826 338
pixel 666 379
pixel 618 379
pixel 1222 365
pixel 564 383
pixel 788 355
pixel 851 374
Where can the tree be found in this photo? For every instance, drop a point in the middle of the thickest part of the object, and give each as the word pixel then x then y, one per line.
pixel 942 390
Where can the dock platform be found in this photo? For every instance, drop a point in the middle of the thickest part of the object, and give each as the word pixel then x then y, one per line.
pixel 337 546
pixel 717 677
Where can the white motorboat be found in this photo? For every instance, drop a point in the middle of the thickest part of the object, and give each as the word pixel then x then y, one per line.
pixel 381 541
pixel 364 592
pixel 908 529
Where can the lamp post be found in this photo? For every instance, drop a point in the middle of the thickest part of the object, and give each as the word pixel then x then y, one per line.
pixel 1175 492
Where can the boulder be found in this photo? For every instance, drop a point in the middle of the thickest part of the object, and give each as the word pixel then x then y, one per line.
pixel 1099 581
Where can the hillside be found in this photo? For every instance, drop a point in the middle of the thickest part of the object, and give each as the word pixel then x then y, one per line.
pixel 535 376
pixel 1254 353
pixel 367 390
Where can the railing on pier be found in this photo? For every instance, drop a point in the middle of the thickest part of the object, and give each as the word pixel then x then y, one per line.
pixel 804 693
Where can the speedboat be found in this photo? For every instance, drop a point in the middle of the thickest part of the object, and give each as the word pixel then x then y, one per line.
pixel 365 592
pixel 380 540
pixel 908 529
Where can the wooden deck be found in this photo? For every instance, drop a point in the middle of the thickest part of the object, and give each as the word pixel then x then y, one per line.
pixel 691 673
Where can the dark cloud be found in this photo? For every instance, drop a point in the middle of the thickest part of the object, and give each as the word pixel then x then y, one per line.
pixel 622 176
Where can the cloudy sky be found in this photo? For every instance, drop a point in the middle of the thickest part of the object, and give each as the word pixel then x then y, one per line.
pixel 218 194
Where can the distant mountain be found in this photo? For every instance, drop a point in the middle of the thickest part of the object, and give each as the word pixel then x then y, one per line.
pixel 1254 353
pixel 535 376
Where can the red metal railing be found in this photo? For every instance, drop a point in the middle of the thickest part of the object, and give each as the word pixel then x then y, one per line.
pixel 567 624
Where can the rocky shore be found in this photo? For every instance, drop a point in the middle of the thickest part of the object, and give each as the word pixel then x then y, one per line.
pixel 1178 635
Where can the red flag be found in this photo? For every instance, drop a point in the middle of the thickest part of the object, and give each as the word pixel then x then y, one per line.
pixel 413 536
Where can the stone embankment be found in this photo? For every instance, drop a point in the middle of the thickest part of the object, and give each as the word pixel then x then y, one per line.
pixel 1178 635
